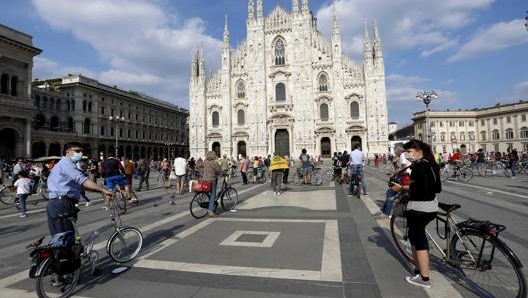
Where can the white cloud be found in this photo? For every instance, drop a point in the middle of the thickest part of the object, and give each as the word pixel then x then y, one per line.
pixel 498 36
pixel 146 47
pixel 44 68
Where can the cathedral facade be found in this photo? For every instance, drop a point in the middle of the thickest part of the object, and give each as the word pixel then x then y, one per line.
pixel 285 88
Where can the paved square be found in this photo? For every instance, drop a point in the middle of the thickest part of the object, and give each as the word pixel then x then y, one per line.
pixel 274 248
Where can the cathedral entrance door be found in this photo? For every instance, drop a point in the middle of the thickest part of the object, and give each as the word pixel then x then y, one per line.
pixel 282 142
pixel 326 148
pixel 7 147
pixel 216 149
pixel 241 149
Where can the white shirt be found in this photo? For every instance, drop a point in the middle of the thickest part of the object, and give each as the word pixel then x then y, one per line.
pixel 180 165
pixel 404 162
pixel 23 186
pixel 356 157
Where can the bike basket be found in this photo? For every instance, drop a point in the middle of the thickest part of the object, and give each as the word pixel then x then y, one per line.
pixel 484 226
pixel 202 186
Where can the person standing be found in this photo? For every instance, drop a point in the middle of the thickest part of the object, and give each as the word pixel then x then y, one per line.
pixel 277 166
pixel 286 170
pixel 513 160
pixel 422 207
pixel 211 171
pixel 224 165
pixel 356 164
pixel 64 186
pixel 143 172
pixel 23 189
pixel 180 169
pixel 305 165
pixel 244 165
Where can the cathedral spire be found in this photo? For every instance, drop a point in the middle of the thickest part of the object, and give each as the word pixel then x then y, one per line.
pixel 377 41
pixel 226 34
pixel 305 9
pixel 295 6
pixel 367 49
pixel 260 15
pixel 335 26
pixel 251 10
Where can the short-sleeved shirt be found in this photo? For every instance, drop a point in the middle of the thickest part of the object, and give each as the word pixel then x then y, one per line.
pixel 305 160
pixel 180 165
pixel 23 186
pixel 65 179
pixel 356 157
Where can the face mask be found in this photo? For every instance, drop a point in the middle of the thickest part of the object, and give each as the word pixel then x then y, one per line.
pixel 76 156
pixel 409 157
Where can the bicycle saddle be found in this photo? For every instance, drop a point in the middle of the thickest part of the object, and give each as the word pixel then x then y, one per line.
pixel 448 207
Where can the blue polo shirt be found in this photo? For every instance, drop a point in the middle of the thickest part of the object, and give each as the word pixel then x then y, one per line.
pixel 65 179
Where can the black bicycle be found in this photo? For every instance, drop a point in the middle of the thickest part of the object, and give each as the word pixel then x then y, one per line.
pixel 200 202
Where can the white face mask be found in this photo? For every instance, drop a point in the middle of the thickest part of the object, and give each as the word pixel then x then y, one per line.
pixel 409 157
pixel 76 156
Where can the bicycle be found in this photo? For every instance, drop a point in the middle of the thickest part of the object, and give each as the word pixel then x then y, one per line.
pixel 494 168
pixel 356 178
pixel 8 195
pixel 121 198
pixel 474 249
pixel 523 167
pixel 228 195
pixel 57 270
pixel 316 178
pixel 462 173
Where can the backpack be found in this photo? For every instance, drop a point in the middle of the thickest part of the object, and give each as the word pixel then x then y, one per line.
pixel 267 162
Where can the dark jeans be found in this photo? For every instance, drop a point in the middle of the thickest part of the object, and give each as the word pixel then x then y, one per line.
pixel 22 202
pixel 244 177
pixel 143 178
pixel 59 211
pixel 285 177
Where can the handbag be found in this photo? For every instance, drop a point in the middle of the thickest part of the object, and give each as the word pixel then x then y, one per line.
pixel 400 204
pixel 202 186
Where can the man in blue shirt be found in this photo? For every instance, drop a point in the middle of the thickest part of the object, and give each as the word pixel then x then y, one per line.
pixel 64 186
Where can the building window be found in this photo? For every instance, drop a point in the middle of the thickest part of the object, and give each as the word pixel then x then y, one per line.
pixel 461 123
pixel 323 83
pixel 451 123
pixel 86 127
pixel 36 101
pixel 462 136
pixel 482 122
pixel 524 132
pixel 241 117
pixel 102 130
pixel 495 135
pixel 241 90
pixel 280 92
pixel 471 136
pixel 216 119
pixel 354 109
pixel 523 117
pixel 494 120
pixel 441 123
pixel 442 137
pixel 432 124
pixel 509 134
pixel 280 52
pixel 14 86
pixel 323 112
pixel 482 135
pixel 4 84
pixel 508 119
pixel 470 123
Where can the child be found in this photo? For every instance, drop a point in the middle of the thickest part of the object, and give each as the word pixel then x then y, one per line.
pixel 23 188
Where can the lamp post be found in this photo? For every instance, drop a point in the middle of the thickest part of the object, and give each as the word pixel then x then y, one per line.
pixel 116 120
pixel 426 97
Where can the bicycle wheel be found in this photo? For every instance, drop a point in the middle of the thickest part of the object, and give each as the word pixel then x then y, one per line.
pixel 398 226
pixel 298 179
pixel 124 244
pixel 465 174
pixel 53 285
pixel 43 190
pixel 445 174
pixel 229 199
pixel 7 196
pixel 501 169
pixel 199 205
pixel 120 200
pixel 317 179
pixel 487 265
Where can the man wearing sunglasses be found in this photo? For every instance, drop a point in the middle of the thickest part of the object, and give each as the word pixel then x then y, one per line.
pixel 64 185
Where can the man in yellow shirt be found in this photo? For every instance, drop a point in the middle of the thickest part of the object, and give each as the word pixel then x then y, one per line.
pixel 277 166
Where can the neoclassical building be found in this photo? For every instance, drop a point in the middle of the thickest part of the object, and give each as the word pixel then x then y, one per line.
pixel 285 88
pixel 493 129
pixel 38 119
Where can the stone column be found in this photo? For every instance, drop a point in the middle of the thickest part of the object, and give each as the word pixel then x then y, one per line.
pixel 27 139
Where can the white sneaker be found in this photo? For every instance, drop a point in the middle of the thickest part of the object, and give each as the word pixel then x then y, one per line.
pixel 274 193
pixel 417 281
pixel 22 215
pixel 278 193
pixel 87 204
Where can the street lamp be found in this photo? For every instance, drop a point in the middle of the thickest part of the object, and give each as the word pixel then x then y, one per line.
pixel 116 119
pixel 426 97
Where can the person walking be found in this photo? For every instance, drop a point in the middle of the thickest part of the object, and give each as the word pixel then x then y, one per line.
pixel 277 166
pixel 422 207
pixel 143 172
pixel 129 170
pixel 244 165
pixel 211 171
pixel 23 189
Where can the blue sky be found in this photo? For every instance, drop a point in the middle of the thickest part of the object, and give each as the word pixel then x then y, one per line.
pixel 474 53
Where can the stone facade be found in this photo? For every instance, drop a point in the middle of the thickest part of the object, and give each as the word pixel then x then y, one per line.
pixel 493 129
pixel 286 88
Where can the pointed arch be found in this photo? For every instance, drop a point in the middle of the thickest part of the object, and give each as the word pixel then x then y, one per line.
pixel 241 89
pixel 279 51
pixel 322 81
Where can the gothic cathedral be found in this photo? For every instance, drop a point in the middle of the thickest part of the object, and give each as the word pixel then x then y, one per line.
pixel 285 88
